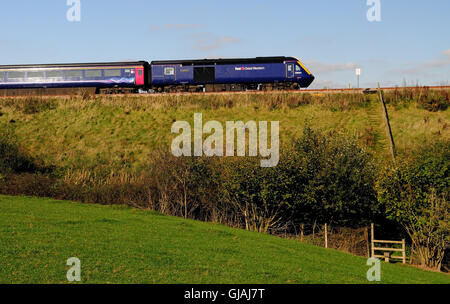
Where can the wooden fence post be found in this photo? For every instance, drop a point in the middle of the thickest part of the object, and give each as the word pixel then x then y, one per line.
pixel 301 232
pixel 403 251
pixel 388 125
pixel 371 240
pixel 366 238
pixel 326 236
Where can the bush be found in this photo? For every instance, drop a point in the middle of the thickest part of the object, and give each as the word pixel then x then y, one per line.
pixel 261 197
pixel 185 186
pixel 430 100
pixel 416 194
pixel 334 180
pixel 323 178
pixel 13 159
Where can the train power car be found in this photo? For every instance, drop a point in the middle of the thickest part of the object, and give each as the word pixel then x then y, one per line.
pixel 116 77
pixel 260 73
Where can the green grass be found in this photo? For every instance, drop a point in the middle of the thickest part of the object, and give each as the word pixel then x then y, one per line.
pixel 122 131
pixel 123 245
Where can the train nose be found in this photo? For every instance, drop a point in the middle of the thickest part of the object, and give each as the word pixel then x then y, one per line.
pixel 306 81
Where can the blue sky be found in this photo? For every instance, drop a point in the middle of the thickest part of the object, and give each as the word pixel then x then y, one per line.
pixel 411 43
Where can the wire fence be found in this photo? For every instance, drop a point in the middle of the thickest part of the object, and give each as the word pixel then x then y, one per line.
pixel 352 240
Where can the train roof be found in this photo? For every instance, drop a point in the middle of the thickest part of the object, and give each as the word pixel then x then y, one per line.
pixel 219 61
pixel 69 65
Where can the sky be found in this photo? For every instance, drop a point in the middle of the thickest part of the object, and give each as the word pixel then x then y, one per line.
pixel 409 45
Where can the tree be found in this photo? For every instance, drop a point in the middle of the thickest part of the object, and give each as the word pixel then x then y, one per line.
pixel 416 195
pixel 334 180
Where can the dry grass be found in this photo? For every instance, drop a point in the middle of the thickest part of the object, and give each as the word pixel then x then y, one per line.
pixel 120 132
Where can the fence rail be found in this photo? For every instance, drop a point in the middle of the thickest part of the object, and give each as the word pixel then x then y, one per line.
pixel 388 249
pixel 387 242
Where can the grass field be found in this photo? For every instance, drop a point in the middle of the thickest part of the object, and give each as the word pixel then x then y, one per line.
pixel 117 244
pixel 121 131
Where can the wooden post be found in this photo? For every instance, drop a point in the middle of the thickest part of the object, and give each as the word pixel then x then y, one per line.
pixel 314 230
pixel 386 257
pixel 388 125
pixel 371 240
pixel 326 236
pixel 301 232
pixel 403 251
pixel 366 238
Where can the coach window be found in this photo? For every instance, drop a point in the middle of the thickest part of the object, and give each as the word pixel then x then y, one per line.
pixel 74 74
pixel 92 73
pixel 35 75
pixel 113 73
pixel 169 71
pixel 16 75
pixel 2 76
pixel 54 74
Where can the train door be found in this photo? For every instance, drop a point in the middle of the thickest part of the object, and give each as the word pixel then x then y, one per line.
pixel 140 76
pixel 290 70
pixel 204 74
pixel 170 74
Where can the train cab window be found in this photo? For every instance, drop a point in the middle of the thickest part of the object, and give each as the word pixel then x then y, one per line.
pixel 54 74
pixel 92 73
pixel 16 75
pixel 35 75
pixel 74 74
pixel 169 71
pixel 113 73
pixel 297 68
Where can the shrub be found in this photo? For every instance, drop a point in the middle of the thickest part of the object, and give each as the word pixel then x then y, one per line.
pixel 185 186
pixel 430 100
pixel 416 194
pixel 334 178
pixel 13 159
pixel 434 100
pixel 34 105
pixel 260 197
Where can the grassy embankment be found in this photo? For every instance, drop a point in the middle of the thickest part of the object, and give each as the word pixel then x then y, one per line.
pixel 120 132
pixel 119 244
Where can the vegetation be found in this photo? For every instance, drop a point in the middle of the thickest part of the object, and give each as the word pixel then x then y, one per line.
pixel 430 100
pixel 416 193
pixel 322 178
pixel 116 244
pixel 12 159
pixel 118 133
pixel 115 150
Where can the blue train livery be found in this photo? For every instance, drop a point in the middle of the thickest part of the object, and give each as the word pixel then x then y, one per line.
pixel 281 72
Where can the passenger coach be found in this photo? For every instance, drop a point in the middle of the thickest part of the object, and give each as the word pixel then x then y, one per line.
pixel 117 77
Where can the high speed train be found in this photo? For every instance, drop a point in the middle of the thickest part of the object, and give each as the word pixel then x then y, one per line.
pixel 199 75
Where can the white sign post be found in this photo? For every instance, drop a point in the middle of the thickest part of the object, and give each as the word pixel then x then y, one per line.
pixel 358 73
